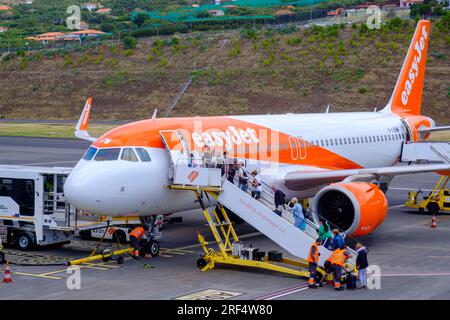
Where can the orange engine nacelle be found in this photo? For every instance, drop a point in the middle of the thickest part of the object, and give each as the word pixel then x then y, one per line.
pixel 357 208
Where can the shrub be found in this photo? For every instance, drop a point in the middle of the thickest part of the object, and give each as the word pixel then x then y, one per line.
pixel 362 90
pixel 128 52
pixel 23 63
pixel 68 61
pixel 129 43
pixel 249 34
pixel 235 51
pixel 293 41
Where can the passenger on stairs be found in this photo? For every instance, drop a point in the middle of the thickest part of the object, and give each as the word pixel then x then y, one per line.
pixel 242 176
pixel 297 211
pixel 207 158
pixel 256 185
pixel 337 259
pixel 361 264
pixel 325 233
pixel 338 240
pixel 313 260
pixel 279 200
pixel 231 173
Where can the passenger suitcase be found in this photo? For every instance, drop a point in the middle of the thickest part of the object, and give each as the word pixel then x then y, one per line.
pixel 351 282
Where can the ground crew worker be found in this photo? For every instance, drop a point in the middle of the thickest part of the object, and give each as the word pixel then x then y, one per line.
pixel 313 259
pixel 337 259
pixel 135 238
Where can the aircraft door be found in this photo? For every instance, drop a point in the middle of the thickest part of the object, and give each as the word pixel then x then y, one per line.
pixel 178 148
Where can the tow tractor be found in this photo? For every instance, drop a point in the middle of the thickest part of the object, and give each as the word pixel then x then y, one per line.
pixel 437 200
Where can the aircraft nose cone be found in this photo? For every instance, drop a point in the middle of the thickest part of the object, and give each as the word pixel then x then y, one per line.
pixel 81 190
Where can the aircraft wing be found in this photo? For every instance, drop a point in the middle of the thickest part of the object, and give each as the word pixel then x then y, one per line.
pixel 83 123
pixel 298 180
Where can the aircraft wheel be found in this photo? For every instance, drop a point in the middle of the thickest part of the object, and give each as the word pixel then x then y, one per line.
pixel 2 258
pixel 154 248
pixel 421 211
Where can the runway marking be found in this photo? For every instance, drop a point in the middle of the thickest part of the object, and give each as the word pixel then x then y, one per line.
pixel 210 294
pixel 283 292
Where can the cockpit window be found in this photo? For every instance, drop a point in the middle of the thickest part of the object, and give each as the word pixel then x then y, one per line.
pixel 143 154
pixel 129 155
pixel 109 154
pixel 90 153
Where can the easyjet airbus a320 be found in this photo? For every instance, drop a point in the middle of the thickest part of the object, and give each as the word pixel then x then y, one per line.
pixel 333 157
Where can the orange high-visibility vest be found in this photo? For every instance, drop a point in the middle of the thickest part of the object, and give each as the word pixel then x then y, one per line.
pixel 338 257
pixel 137 232
pixel 314 258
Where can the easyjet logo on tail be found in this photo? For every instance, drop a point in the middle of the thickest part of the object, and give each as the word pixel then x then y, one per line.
pixel 419 46
pixel 86 115
pixel 406 99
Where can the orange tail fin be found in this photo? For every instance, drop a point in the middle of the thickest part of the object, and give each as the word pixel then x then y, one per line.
pixel 406 100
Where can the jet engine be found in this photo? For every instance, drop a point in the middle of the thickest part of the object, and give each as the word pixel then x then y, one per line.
pixel 357 208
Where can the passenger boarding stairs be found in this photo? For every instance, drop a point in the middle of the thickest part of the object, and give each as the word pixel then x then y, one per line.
pixel 193 173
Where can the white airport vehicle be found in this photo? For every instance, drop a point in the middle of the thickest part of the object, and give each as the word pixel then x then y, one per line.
pixel 33 209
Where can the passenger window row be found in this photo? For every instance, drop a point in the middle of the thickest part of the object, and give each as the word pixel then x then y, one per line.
pixel 358 140
pixel 112 154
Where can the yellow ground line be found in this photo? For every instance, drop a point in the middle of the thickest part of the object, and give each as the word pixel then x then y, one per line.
pixel 104 265
pixel 53 272
pixel 37 275
pixel 92 267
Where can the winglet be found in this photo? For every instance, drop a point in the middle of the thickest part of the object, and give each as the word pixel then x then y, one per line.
pixel 406 99
pixel 83 123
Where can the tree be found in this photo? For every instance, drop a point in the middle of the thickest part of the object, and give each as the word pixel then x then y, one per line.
pixel 139 19
pixel 107 27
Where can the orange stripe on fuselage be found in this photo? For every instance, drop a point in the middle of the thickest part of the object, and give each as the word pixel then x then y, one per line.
pixel 146 133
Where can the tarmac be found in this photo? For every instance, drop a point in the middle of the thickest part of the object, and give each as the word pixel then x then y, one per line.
pixel 413 258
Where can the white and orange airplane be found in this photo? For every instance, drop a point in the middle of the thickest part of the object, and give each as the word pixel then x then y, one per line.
pixel 333 157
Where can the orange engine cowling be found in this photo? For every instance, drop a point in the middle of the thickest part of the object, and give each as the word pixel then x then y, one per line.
pixel 358 208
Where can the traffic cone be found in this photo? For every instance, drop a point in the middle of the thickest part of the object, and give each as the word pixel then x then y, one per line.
pixel 433 222
pixel 7 278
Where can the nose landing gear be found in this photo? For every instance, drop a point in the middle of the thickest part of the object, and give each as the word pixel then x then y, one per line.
pixel 153 234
